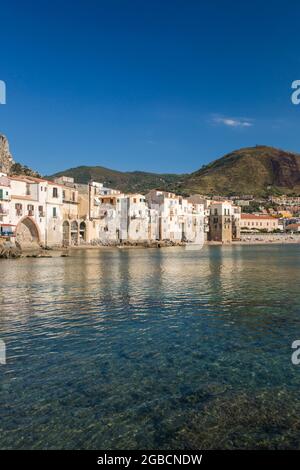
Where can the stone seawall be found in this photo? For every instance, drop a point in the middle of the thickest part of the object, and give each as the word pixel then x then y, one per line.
pixel 270 238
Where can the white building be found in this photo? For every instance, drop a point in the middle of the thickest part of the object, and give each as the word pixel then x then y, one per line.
pixel 6 229
pixel 178 218
pixel 137 218
pixel 36 211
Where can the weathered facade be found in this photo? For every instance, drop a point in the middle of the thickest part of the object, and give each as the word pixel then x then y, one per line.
pixel 221 221
pixel 75 227
pixel 63 213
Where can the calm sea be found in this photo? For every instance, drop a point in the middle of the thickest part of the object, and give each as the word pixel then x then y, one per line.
pixel 151 349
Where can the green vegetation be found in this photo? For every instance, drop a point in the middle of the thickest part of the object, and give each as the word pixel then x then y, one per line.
pixel 136 181
pixel 259 171
pixel 18 169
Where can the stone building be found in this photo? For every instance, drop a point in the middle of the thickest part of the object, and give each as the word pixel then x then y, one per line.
pixel 221 221
pixel 75 227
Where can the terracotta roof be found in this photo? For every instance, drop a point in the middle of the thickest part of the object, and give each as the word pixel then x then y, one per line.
pixel 29 198
pixel 33 179
pixel 257 217
pixel 25 179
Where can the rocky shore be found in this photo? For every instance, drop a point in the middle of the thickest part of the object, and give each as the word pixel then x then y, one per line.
pixel 9 251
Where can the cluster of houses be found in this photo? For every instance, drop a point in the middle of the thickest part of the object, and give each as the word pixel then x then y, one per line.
pixel 64 213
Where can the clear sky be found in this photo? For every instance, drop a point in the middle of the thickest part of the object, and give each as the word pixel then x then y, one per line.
pixel 155 85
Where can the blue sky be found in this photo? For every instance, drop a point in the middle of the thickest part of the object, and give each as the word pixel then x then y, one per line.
pixel 161 86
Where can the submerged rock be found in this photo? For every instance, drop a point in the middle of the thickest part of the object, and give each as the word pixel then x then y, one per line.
pixel 9 252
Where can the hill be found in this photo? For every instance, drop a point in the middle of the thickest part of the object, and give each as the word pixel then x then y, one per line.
pixel 135 181
pixel 259 170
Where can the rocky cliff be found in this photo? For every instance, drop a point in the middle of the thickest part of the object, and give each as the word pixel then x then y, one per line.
pixel 6 159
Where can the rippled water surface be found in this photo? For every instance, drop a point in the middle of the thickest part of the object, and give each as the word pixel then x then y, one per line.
pixel 146 349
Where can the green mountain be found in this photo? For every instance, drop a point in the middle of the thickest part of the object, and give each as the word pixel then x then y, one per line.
pixel 135 181
pixel 259 170
pixel 256 170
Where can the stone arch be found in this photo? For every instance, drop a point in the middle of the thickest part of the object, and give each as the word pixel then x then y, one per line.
pixel 74 232
pixel 82 231
pixel 66 233
pixel 27 233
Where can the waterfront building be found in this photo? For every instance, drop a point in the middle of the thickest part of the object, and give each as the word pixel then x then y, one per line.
pixel 63 213
pixel 259 222
pixel 107 214
pixel 221 221
pixel 75 212
pixel 293 228
pixel 168 206
pixel 179 219
pixel 36 211
pixel 236 222
pixel 6 228
pixel 137 218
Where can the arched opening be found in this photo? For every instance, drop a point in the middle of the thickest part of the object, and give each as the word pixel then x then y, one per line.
pixel 66 233
pixel 74 233
pixel 82 232
pixel 27 234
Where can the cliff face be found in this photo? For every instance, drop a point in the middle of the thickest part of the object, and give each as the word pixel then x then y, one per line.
pixel 6 159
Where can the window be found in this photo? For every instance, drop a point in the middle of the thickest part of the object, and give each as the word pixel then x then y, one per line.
pixel 1 193
pixel 41 212
pixel 18 208
pixel 73 196
pixel 64 194
pixel 54 192
pixel 54 212
pixel 30 209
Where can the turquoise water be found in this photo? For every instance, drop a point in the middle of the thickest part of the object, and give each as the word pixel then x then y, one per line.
pixel 151 349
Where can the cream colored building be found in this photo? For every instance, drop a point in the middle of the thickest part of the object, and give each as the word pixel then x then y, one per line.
pixel 76 226
pixel 259 222
pixel 36 211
